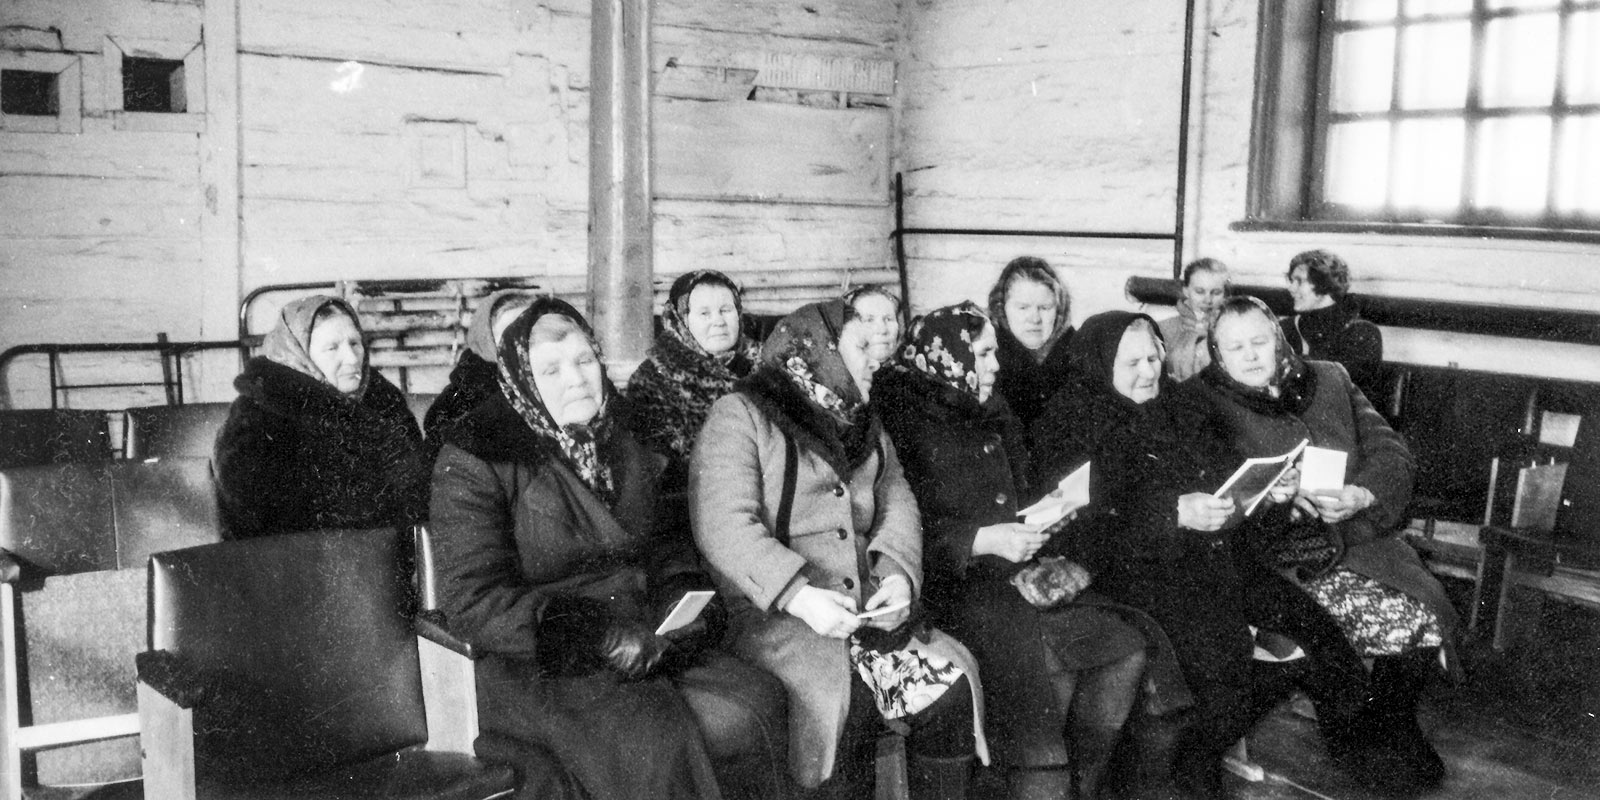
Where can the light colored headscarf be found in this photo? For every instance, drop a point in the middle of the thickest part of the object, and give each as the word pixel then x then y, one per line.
pixel 480 333
pixel 289 342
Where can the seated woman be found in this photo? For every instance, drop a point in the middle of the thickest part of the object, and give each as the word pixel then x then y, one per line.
pixel 699 354
pixel 317 438
pixel 1205 286
pixel 1059 675
pixel 1031 307
pixel 878 310
pixel 554 571
pixel 1326 326
pixel 801 510
pixel 1341 549
pixel 474 378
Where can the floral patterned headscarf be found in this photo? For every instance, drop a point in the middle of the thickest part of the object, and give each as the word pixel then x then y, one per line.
pixel 1292 383
pixel 577 445
pixel 939 346
pixel 289 342
pixel 805 348
pixel 677 309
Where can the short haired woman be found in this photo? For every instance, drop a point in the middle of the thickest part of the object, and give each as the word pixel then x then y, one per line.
pixel 1327 326
pixel 1205 286
pixel 555 571
pixel 802 511
pixel 318 438
pixel 1032 310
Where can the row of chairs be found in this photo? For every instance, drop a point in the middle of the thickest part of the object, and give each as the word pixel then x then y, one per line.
pixel 30 437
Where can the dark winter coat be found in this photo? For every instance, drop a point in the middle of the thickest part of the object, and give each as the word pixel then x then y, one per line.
pixel 296 455
pixel 1027 384
pixel 472 381
pixel 1338 333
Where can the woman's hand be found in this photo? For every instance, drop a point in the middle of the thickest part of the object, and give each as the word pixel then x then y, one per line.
pixel 631 650
pixel 895 590
pixel 1199 511
pixel 1012 541
pixel 829 613
pixel 1342 506
pixel 1284 490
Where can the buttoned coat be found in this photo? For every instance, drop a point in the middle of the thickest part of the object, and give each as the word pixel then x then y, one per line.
pixel 844 530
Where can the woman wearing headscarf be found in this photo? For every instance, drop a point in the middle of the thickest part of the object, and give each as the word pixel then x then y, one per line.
pixel 1032 312
pixel 698 356
pixel 554 570
pixel 878 309
pixel 317 438
pixel 1059 675
pixel 1342 548
pixel 801 509
pixel 1204 287
pixel 475 376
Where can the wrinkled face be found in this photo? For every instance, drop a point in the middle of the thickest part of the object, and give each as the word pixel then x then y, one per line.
pixel 853 348
pixel 985 362
pixel 877 314
pixel 1205 292
pixel 713 317
pixel 504 316
pixel 1136 372
pixel 1248 346
pixel 568 376
pixel 337 350
pixel 1304 292
pixel 1030 312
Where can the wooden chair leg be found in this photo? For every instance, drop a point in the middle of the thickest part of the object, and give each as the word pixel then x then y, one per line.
pixel 1237 761
pixel 10 699
pixel 166 742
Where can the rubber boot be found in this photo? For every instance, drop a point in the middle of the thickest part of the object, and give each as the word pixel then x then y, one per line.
pixel 1039 783
pixel 1406 761
pixel 938 778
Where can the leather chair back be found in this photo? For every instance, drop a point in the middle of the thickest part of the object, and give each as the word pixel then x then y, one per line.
pixel 163 504
pixel 189 430
pixel 58 518
pixel 311 659
pixel 30 437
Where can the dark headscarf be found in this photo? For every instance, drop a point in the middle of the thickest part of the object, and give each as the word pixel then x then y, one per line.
pixel 802 373
pixel 578 445
pixel 939 347
pixel 289 342
pixel 677 309
pixel 480 333
pixel 1292 384
pixel 1093 349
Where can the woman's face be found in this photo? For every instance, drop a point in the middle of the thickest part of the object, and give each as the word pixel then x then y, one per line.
pixel 1248 346
pixel 338 352
pixel 1304 292
pixel 1030 312
pixel 1136 371
pixel 713 317
pixel 985 362
pixel 877 314
pixel 1205 292
pixel 853 348
pixel 567 375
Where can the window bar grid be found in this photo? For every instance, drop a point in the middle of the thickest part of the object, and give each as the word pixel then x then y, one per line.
pixel 1472 110
pixel 1314 194
pixel 1396 86
pixel 1558 113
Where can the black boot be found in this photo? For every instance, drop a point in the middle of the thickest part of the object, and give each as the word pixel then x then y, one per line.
pixel 1406 757
pixel 1039 783
pixel 938 777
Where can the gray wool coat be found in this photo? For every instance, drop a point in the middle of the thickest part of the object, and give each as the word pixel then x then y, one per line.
pixel 845 530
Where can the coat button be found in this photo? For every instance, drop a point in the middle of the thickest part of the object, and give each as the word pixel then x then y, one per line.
pixel 841 533
pixel 849 584
pixel 1000 499
pixel 838 491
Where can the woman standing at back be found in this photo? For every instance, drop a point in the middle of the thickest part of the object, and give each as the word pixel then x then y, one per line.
pixel 1032 311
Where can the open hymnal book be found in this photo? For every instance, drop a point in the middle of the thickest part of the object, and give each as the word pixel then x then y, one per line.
pixel 687 609
pixel 1071 494
pixel 1249 484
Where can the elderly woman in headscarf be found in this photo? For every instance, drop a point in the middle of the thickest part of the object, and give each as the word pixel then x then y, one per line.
pixel 475 376
pixel 318 438
pixel 553 570
pixel 878 310
pixel 1032 311
pixel 1060 672
pixel 803 513
pixel 698 356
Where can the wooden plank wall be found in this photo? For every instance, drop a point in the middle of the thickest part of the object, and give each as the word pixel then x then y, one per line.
pixel 442 138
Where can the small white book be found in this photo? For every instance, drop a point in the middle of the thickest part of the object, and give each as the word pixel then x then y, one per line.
pixel 1249 484
pixel 687 609
pixel 1071 494
pixel 1322 470
pixel 881 610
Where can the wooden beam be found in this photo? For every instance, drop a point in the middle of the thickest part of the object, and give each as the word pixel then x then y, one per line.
pixel 221 254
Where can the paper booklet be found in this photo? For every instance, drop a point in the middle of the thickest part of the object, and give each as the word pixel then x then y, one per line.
pixel 688 607
pixel 1071 494
pixel 1322 471
pixel 1249 484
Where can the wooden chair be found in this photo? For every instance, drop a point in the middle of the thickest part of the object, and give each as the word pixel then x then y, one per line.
pixel 281 666
pixel 31 437
pixel 189 431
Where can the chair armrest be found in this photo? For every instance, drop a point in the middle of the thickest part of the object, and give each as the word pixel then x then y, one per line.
pixel 431 625
pixel 166 744
pixel 176 679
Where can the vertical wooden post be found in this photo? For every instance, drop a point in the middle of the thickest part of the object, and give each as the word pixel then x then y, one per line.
pixel 222 255
pixel 621 261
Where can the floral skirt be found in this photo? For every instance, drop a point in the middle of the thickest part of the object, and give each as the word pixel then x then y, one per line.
pixel 1377 619
pixel 903 682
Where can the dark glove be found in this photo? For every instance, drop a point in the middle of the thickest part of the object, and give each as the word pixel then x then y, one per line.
pixel 571 634
pixel 631 649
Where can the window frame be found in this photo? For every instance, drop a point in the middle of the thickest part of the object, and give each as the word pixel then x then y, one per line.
pixel 68 70
pixel 1289 128
pixel 191 120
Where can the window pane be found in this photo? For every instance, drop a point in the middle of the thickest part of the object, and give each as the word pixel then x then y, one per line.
pixel 1495 5
pixel 1358 160
pixel 1583 58
pixel 1367 9
pixel 1519 64
pixel 1419 8
pixel 1579 167
pixel 1513 164
pixel 1436 62
pixel 1363 70
pixel 1428 162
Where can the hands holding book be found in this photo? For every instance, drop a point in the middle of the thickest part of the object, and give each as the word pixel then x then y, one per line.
pixel 1200 511
pixel 1332 508
pixel 1013 541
